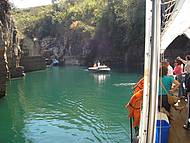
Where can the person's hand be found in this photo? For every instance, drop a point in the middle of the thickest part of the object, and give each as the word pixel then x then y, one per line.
pixel 178 58
pixel 171 91
pixel 126 105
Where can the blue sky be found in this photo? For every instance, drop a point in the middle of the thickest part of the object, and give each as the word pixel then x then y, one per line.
pixel 30 3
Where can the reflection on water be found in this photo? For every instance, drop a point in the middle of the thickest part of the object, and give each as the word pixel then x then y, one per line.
pixel 100 78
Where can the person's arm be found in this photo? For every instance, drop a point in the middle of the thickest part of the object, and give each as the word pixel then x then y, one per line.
pixel 175 87
pixel 183 61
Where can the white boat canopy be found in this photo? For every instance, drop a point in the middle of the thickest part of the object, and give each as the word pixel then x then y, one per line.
pixel 178 23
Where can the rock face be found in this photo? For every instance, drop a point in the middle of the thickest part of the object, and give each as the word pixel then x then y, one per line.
pixel 31 59
pixel 9 45
pixel 4 43
pixel 33 63
pixel 3 75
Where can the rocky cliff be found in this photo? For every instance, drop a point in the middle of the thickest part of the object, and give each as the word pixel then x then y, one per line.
pixel 4 41
pixel 9 45
pixel 88 30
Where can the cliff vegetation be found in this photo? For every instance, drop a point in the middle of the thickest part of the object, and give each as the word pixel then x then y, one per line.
pixel 108 30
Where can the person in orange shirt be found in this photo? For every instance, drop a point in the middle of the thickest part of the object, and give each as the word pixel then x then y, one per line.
pixel 135 103
pixel 139 85
pixel 134 107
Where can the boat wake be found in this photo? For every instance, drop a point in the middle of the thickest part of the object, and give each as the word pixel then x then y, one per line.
pixel 124 84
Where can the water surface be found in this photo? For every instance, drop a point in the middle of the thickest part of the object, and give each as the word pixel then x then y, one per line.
pixel 66 105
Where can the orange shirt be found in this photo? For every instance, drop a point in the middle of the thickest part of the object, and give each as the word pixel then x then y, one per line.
pixel 139 85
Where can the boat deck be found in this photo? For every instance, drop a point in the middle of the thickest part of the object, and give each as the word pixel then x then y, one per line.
pixel 177 133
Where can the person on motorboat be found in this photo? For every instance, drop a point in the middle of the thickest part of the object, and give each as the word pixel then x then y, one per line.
pixel 98 63
pixel 94 65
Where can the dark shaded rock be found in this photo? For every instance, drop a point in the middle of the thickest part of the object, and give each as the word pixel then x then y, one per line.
pixel 5 24
pixel 3 76
pixel 17 72
pixel 33 63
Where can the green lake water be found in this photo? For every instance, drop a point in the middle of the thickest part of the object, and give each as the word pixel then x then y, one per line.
pixel 66 105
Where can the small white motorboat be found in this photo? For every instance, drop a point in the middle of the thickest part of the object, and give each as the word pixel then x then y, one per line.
pixel 100 68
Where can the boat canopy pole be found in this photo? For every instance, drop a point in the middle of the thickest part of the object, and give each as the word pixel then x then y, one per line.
pixel 154 71
pixel 147 56
pixel 151 75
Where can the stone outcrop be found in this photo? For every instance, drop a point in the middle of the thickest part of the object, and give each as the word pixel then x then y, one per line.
pixel 57 48
pixel 33 63
pixel 5 21
pixel 31 45
pixel 10 51
pixel 3 75
pixel 31 59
